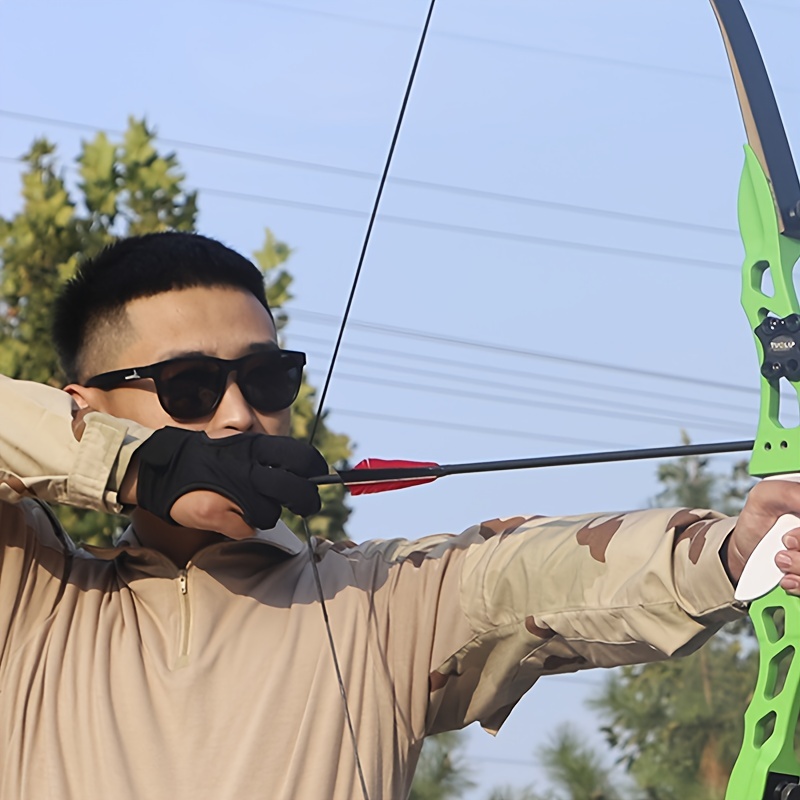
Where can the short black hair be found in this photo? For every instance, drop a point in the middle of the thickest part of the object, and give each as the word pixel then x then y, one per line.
pixel 136 267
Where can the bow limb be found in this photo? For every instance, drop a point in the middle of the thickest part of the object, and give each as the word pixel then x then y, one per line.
pixel 769 204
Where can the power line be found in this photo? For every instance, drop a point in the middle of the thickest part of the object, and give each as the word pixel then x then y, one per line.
pixel 412 333
pixel 622 216
pixel 453 189
pixel 457 426
pixel 778 7
pixel 532 403
pixel 523 238
pixel 472 230
pixel 518 373
pixel 504 44
pixel 669 415
pixel 232 152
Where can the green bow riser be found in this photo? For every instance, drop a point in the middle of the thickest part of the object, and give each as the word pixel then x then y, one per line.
pixel 767 758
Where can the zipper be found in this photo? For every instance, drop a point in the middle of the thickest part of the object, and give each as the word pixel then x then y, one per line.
pixel 186 617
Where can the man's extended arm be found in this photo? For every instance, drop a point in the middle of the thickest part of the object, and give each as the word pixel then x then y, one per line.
pixel 468 623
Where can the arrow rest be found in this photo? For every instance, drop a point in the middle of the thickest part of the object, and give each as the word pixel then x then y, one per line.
pixel 780 344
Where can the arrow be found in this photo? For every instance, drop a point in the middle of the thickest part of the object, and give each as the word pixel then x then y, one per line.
pixel 373 475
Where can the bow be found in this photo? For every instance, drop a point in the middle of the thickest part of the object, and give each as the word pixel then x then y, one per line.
pixel 769 220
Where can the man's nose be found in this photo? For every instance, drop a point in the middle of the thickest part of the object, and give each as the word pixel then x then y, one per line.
pixel 234 413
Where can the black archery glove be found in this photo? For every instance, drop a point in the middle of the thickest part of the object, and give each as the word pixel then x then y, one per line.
pixel 259 473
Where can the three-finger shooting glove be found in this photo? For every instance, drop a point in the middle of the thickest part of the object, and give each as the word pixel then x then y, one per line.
pixel 259 473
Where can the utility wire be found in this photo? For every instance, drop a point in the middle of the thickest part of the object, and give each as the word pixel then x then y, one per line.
pixel 458 426
pixel 462 394
pixel 412 333
pixel 523 375
pixel 314 166
pixel 777 7
pixel 471 230
pixel 669 416
pixel 504 44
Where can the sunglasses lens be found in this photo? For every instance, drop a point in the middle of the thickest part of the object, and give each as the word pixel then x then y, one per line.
pixel 191 388
pixel 270 381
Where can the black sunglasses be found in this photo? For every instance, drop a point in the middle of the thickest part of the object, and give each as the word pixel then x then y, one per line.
pixel 192 387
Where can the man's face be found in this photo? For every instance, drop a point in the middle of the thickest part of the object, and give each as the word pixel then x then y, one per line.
pixel 215 321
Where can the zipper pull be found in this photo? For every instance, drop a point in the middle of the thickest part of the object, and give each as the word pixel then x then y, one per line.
pixel 182 581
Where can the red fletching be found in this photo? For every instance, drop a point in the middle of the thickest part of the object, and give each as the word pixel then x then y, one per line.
pixel 373 487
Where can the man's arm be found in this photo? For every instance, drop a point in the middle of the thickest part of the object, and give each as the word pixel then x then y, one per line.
pixel 50 451
pixel 473 621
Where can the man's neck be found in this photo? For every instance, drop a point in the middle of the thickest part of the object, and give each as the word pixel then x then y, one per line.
pixel 179 545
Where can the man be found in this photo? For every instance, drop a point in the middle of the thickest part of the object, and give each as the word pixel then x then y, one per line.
pixel 191 661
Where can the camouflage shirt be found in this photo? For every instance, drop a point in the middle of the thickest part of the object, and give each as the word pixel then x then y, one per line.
pixel 123 676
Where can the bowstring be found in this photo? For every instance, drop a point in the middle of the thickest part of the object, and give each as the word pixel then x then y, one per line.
pixel 324 394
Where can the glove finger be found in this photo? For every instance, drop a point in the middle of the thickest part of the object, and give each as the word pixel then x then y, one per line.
pixel 293 492
pixel 289 454
pixel 260 511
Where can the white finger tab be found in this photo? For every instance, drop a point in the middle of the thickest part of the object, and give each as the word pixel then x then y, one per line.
pixel 761 574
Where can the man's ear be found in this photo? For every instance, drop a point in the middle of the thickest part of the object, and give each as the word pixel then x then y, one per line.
pixel 86 398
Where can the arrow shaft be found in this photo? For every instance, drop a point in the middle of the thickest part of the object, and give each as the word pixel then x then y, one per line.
pixel 353 476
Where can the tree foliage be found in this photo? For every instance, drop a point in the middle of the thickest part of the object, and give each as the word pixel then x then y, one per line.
pixel 678 725
pixel 689 482
pixel 575 770
pixel 441 773
pixel 122 188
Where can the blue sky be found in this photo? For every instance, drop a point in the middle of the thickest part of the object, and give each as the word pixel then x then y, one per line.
pixel 564 188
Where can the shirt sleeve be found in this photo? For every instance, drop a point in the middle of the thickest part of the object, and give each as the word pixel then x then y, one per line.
pixel 483 615
pixel 50 452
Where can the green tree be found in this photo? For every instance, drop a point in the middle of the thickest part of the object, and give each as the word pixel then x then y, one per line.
pixel 441 773
pixel 575 770
pixel 123 188
pixel 512 793
pixel 689 482
pixel 677 725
